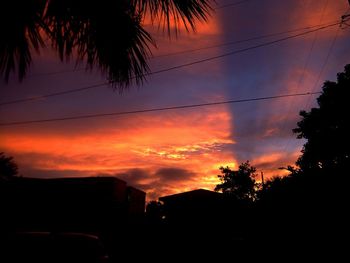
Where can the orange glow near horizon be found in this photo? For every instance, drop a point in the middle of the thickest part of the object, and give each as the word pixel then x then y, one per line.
pixel 174 143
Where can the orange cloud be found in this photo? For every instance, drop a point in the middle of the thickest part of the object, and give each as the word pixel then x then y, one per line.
pixel 193 142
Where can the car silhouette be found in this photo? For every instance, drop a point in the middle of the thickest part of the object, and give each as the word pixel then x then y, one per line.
pixel 54 247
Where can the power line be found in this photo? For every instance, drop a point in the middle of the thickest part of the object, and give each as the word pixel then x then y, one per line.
pixel 196 49
pixel 82 69
pixel 155 109
pixel 334 40
pixel 172 68
pixel 306 64
pixel 330 49
pixel 238 41
pixel 327 57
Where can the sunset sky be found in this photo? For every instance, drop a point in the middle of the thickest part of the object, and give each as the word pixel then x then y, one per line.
pixel 172 151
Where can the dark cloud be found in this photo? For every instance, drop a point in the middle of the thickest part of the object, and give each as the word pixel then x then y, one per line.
pixel 139 178
pixel 263 136
pixel 40 173
pixel 174 174
pixel 159 182
pixel 282 161
pixel 45 160
pixel 270 126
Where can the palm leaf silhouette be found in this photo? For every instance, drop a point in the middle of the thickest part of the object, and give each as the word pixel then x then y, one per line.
pixel 20 28
pixel 104 34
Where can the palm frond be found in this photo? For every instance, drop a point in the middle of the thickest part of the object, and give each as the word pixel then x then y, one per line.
pixel 19 26
pixel 108 36
pixel 105 34
pixel 174 13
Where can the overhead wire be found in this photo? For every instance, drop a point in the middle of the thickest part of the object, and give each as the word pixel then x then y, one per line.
pixel 177 107
pixel 305 66
pixel 329 52
pixel 194 49
pixel 153 57
pixel 75 90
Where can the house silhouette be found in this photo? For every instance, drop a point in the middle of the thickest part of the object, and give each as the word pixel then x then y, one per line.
pixel 194 206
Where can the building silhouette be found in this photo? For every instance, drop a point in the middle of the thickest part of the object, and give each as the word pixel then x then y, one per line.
pixel 89 204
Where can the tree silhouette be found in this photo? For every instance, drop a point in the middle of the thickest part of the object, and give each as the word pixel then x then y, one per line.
pixel 8 168
pixel 107 34
pixel 239 184
pixel 311 202
pixel 326 129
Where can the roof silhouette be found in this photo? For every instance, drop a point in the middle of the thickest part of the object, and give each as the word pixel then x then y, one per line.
pixel 193 195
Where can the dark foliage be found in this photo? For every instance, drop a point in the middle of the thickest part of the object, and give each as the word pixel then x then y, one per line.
pixel 326 129
pixel 239 184
pixel 309 206
pixel 8 168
